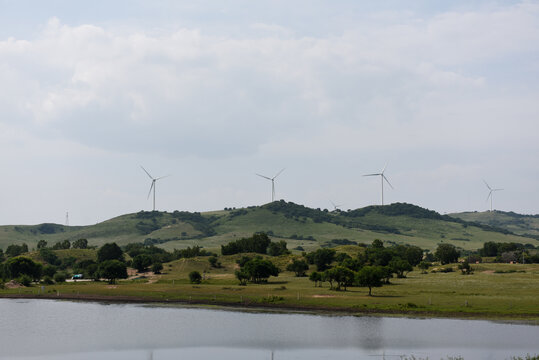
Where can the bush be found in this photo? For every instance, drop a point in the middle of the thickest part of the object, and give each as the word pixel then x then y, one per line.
pixel 213 262
pixel 47 280
pixel 157 267
pixel 60 277
pixel 195 277
pixel 24 280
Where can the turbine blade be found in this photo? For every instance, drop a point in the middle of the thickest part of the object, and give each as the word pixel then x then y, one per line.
pixel 279 173
pixel 147 173
pixel 151 187
pixel 496 189
pixel 384 168
pixel 487 184
pixel 265 177
pixel 162 177
pixel 372 175
pixel 489 194
pixel 387 181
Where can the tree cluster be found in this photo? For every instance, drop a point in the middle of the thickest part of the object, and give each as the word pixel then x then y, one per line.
pixel 256 270
pixel 258 243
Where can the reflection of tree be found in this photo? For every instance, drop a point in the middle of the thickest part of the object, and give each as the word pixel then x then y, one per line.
pixel 371 333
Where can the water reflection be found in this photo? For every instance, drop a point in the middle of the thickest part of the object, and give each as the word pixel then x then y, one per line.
pixel 44 329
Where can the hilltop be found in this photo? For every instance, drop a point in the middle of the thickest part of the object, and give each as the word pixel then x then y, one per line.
pixel 303 228
pixel 526 225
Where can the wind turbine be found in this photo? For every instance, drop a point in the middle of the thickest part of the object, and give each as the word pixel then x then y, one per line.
pixel 490 193
pixel 335 206
pixel 382 178
pixel 154 180
pixel 272 183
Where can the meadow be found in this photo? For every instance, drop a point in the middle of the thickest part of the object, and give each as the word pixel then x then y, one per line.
pixel 493 291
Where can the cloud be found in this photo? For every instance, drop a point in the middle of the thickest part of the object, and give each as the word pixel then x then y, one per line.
pixel 429 91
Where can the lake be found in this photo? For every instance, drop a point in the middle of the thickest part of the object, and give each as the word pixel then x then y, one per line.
pixel 49 329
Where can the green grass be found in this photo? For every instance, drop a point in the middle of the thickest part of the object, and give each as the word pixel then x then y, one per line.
pixel 424 232
pixel 518 224
pixel 493 291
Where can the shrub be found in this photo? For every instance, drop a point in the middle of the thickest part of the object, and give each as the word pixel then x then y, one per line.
pixel 47 280
pixel 60 277
pixel 157 267
pixel 24 280
pixel 195 277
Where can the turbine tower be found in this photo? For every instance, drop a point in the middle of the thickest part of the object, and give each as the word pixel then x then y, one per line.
pixel 490 193
pixel 382 178
pixel 154 180
pixel 272 183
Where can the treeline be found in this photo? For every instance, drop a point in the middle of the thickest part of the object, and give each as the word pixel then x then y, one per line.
pixel 507 252
pixel 372 268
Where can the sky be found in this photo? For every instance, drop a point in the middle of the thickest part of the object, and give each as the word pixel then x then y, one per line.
pixel 211 93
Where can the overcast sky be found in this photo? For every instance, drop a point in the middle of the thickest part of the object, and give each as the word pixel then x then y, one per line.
pixel 446 93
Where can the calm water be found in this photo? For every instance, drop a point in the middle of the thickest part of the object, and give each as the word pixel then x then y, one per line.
pixel 47 329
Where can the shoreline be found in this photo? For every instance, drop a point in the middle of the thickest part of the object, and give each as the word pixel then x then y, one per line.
pixel 523 319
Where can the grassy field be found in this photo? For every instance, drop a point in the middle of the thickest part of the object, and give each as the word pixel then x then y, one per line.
pixel 516 223
pixel 493 291
pixel 212 229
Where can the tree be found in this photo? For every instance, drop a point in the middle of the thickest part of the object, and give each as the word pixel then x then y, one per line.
pixel 377 244
pixel 17 266
pixel 16 250
pixel 157 267
pixel 214 263
pixel 80 244
pixel 298 267
pixel 322 258
pixel 112 270
pixel 278 248
pixel 447 254
pixel 424 265
pixel 41 244
pixel 60 277
pixel 413 254
pixel 400 267
pixel 62 245
pixel 258 243
pixel 490 248
pixel 315 277
pixel 259 270
pixel 370 276
pixel 49 270
pixel 141 262
pixel 110 251
pixel 49 256
pixel 242 276
pixel 465 268
pixel 342 276
pixel 195 277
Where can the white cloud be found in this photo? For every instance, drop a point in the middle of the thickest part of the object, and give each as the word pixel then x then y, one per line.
pixel 400 83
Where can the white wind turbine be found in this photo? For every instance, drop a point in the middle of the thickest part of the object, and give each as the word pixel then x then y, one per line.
pixel 382 178
pixel 272 183
pixel 154 180
pixel 335 206
pixel 490 193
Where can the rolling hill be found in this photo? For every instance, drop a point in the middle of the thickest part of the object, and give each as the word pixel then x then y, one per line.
pixel 527 225
pixel 303 228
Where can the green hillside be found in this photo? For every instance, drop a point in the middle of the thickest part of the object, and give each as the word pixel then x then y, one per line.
pixel 302 228
pixel 527 225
